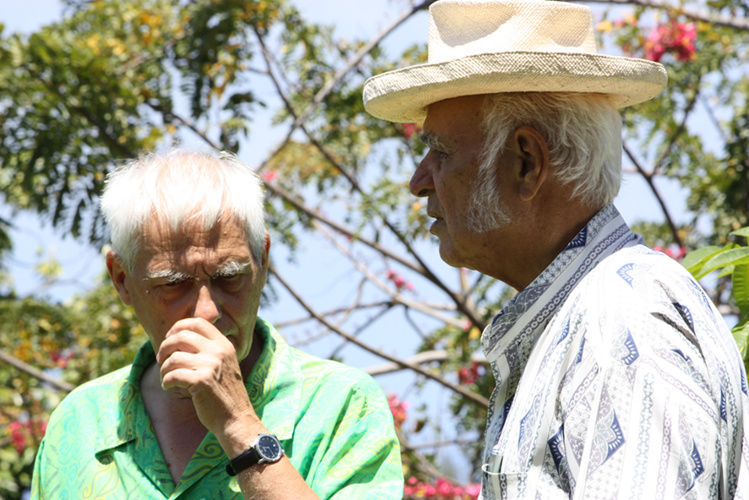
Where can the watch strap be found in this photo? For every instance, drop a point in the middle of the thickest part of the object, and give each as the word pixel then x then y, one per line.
pixel 243 461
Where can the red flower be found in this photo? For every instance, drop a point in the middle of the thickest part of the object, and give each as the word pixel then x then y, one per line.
pixel 468 375
pixel 269 176
pixel 399 281
pixel 677 38
pixel 676 253
pixel 398 409
pixel 409 129
pixel 445 488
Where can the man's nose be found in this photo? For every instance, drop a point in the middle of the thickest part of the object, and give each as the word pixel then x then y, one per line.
pixel 421 182
pixel 207 306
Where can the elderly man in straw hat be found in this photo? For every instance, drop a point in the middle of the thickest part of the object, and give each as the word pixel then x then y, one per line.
pixel 615 375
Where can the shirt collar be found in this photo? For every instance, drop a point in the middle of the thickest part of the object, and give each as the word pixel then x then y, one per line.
pixel 274 386
pixel 531 309
pixel 508 341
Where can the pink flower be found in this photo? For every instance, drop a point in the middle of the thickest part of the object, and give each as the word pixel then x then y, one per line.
pixel 430 491
pixel 676 253
pixel 674 37
pixel 473 490
pixel 398 409
pixel 445 488
pixel 409 129
pixel 399 281
pixel 468 375
pixel 270 175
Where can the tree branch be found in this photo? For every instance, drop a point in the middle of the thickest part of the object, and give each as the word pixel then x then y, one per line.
pixel 739 23
pixel 462 302
pixel 476 398
pixel 682 126
pixel 56 384
pixel 649 179
pixel 169 113
pixel 419 358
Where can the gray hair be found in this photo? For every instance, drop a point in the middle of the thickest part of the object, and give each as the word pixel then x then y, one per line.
pixel 583 132
pixel 178 187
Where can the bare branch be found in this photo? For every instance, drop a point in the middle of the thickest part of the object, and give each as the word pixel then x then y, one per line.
pixel 168 113
pixel 59 385
pixel 299 205
pixel 334 312
pixel 476 398
pixel 462 301
pixel 398 298
pixel 420 358
pixel 675 136
pixel 648 176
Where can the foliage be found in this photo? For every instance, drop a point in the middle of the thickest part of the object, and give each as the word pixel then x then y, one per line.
pixel 92 335
pixel 730 260
pixel 112 79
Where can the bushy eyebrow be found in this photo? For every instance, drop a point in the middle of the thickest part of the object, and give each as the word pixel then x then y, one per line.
pixel 168 274
pixel 232 268
pixel 229 269
pixel 434 142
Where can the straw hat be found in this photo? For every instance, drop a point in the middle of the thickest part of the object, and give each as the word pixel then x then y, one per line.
pixel 490 46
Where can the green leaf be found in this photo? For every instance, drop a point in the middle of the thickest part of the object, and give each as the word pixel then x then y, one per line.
pixel 740 289
pixel 741 336
pixel 733 257
pixel 697 258
pixel 744 231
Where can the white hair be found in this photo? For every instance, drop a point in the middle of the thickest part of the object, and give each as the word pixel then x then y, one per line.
pixel 583 132
pixel 178 187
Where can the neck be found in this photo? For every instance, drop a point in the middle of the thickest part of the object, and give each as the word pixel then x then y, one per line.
pixel 543 235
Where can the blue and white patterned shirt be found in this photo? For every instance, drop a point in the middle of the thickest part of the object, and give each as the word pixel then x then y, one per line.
pixel 616 378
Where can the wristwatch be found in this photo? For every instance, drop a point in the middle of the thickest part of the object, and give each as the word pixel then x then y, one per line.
pixel 265 449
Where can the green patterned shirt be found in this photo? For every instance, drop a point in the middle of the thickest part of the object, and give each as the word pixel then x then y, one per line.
pixel 333 422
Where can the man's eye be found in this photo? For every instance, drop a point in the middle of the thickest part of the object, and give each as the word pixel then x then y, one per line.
pixel 229 280
pixel 441 155
pixel 172 284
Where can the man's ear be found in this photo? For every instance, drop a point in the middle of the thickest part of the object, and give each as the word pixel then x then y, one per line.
pixel 118 275
pixel 267 248
pixel 265 264
pixel 534 158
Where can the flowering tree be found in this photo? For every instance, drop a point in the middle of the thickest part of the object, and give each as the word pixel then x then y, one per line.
pixel 114 78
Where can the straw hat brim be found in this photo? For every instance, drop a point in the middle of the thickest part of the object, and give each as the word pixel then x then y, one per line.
pixel 403 95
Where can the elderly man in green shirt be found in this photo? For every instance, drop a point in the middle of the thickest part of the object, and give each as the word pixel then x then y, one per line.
pixel 216 404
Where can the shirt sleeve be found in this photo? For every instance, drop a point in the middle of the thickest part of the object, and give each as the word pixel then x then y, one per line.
pixel 358 454
pixel 37 478
pixel 648 408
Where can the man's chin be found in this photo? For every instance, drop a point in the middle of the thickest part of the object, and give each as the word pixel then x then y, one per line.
pixel 448 256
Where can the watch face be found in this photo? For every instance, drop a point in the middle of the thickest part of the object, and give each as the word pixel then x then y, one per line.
pixel 269 447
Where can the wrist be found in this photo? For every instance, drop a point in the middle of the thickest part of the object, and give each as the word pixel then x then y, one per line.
pixel 239 434
pixel 266 449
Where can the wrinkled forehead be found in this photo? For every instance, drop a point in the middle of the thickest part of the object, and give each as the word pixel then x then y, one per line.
pixel 192 241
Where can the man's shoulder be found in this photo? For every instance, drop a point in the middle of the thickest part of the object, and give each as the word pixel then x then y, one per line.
pixel 327 371
pixel 643 296
pixel 642 274
pixel 95 395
